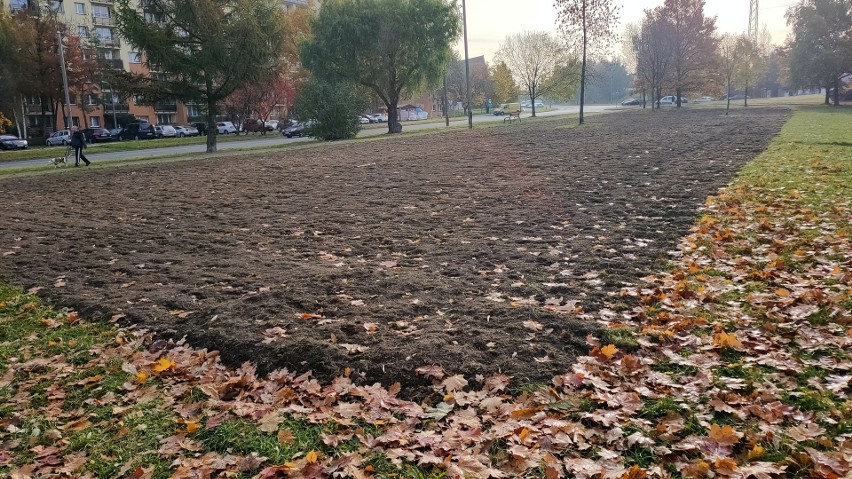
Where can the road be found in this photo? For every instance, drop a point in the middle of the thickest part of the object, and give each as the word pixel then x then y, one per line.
pixel 277 140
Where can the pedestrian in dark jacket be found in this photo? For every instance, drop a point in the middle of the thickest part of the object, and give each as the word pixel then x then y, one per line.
pixel 78 142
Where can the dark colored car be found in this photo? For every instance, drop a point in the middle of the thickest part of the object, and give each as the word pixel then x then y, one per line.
pixel 201 127
pixel 299 129
pixel 254 126
pixel 631 102
pixel 115 133
pixel 140 130
pixel 97 135
pixel 12 142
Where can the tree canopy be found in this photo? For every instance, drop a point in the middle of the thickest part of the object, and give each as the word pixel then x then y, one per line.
pixel 395 48
pixel 587 23
pixel 535 59
pixel 201 51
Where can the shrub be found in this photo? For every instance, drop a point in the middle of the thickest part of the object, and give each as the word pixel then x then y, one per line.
pixel 335 107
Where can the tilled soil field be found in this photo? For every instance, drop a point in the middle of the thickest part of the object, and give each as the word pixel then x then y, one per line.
pixel 478 251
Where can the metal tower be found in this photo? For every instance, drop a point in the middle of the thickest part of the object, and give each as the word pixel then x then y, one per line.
pixel 753 26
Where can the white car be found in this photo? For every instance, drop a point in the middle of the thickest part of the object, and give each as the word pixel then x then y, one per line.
pixel 165 131
pixel 379 118
pixel 225 127
pixel 61 137
pixel 705 99
pixel 364 119
pixel 672 101
pixel 183 131
pixel 271 125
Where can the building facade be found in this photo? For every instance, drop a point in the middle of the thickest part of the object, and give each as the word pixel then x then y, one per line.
pixel 104 108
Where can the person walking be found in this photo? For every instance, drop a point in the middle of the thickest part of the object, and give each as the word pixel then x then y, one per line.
pixel 78 142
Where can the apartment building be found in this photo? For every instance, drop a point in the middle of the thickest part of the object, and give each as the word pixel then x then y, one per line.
pixel 96 19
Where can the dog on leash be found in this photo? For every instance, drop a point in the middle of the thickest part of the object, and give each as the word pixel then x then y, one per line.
pixel 58 161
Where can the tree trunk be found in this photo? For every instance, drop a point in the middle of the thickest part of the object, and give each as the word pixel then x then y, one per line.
pixel 729 98
pixel 678 92
pixel 583 69
pixel 745 96
pixel 394 125
pixel 643 100
pixel 837 91
pixel 827 95
pixel 212 131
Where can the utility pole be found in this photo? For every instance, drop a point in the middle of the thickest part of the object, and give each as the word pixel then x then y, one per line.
pixel 467 68
pixel 753 25
pixel 68 122
pixel 446 103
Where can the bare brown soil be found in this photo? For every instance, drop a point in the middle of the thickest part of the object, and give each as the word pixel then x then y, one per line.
pixel 477 251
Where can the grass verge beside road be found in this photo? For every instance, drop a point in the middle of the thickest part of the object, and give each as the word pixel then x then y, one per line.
pixel 736 363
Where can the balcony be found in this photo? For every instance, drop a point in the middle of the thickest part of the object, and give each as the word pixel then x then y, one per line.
pixel 103 21
pixel 104 2
pixel 165 107
pixel 113 42
pixel 119 107
pixel 114 63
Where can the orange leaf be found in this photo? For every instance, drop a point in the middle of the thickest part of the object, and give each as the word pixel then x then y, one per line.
pixel 724 435
pixel 609 351
pixel 635 472
pixel 141 377
pixel 312 457
pixel 369 468
pixel 163 364
pixel 73 316
pixel 756 452
pixel 782 292
pixel 310 316
pixel 725 466
pixel 723 339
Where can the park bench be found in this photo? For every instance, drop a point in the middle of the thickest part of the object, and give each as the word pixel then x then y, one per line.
pixel 512 116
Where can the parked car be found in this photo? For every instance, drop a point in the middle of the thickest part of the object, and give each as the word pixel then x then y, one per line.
pixel 61 137
pixel 251 125
pixel 186 130
pixel 225 127
pixel 631 102
pixel 12 142
pixel 201 127
pixel 271 125
pixel 138 130
pixel 97 135
pixel 299 129
pixel 165 131
pixel 672 101
pixel 379 118
pixel 364 119
pixel 115 133
pixel 705 99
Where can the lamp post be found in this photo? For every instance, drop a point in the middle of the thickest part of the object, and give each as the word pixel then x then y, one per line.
pixel 467 67
pixel 69 121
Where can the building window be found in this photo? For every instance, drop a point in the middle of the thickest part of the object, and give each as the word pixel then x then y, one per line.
pixel 72 99
pixel 103 33
pixel 83 31
pixel 95 121
pixel 91 99
pixel 56 6
pixel 100 11
pixel 80 8
pixel 192 111
pixel 135 57
pixel 107 54
pixel 163 119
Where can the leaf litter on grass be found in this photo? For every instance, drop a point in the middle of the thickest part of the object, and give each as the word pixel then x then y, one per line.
pixel 738 365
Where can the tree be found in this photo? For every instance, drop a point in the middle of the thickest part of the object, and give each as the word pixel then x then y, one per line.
pixel 587 23
pixel 821 44
pixel 203 50
pixel 335 107
pixel 751 65
pixel 693 45
pixel 395 48
pixel 505 87
pixel 729 53
pixel 533 58
pixel 653 54
pixel 608 82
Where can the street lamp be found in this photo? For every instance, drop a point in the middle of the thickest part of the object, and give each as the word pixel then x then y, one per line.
pixel 68 122
pixel 467 67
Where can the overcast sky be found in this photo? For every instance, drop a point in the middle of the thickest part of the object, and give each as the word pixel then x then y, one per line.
pixel 489 21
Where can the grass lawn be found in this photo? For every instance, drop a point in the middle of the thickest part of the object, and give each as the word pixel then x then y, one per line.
pixel 736 362
pixel 41 152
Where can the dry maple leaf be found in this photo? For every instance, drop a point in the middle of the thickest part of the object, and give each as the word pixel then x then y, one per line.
pixel 312 457
pixel 723 339
pixel 725 435
pixel 533 325
pixel 609 351
pixel 163 364
pixel 436 372
pixel 454 383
